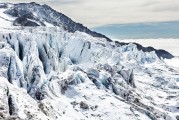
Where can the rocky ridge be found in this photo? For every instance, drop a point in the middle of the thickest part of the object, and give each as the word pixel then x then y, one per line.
pixel 52 73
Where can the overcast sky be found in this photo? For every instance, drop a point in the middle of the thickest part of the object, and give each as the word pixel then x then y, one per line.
pixel 94 13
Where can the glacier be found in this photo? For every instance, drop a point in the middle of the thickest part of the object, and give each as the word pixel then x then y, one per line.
pixel 51 72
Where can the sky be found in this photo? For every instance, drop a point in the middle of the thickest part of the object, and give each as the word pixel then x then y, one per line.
pixel 94 13
pixel 148 30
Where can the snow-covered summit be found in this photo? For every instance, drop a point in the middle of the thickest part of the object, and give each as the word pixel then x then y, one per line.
pixel 58 73
pixel 33 14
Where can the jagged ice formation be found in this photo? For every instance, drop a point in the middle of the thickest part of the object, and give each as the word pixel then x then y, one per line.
pixel 59 73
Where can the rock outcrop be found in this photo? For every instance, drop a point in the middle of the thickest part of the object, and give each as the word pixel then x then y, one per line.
pixel 64 72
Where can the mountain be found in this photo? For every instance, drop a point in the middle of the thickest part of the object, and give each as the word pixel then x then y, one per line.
pixel 51 68
pixel 33 14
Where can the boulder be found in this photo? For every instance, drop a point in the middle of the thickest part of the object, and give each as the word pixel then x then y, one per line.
pixel 83 105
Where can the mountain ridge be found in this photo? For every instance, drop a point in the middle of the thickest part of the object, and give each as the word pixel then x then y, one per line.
pixel 72 27
pixel 26 11
pixel 49 73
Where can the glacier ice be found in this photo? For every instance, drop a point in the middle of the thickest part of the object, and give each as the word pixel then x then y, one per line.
pixel 45 62
pixel 49 73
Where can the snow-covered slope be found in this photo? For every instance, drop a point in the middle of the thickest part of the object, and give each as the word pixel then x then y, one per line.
pixel 52 73
pixel 33 14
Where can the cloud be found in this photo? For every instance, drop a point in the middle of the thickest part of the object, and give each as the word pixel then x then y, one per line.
pixel 57 2
pixel 43 1
pixel 162 6
pixel 101 12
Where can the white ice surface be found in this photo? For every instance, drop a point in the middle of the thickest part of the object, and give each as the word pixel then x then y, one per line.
pixel 156 85
pixel 174 62
pixel 5 20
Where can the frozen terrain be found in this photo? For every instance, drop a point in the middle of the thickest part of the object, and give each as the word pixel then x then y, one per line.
pixel 171 45
pixel 50 70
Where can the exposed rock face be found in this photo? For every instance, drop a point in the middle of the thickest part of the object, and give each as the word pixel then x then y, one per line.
pixel 33 14
pixel 26 11
pixel 84 105
pixel 160 53
pixel 45 69
pixel 22 21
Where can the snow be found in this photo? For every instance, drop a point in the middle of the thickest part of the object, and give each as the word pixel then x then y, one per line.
pixel 23 102
pixel 154 80
pixel 5 20
pixel 174 62
pixel 48 24
pixel 50 73
pixel 105 103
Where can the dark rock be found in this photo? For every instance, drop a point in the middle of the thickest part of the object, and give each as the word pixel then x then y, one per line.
pixel 12 105
pixel 74 103
pixel 160 53
pixel 3 5
pixel 46 13
pixel 39 95
pixel 64 87
pixel 84 105
pixel 22 21
pixel 51 16
pixel 94 107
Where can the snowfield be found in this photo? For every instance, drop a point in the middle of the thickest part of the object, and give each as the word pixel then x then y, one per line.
pixel 173 62
pixel 76 76
pixel 51 73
